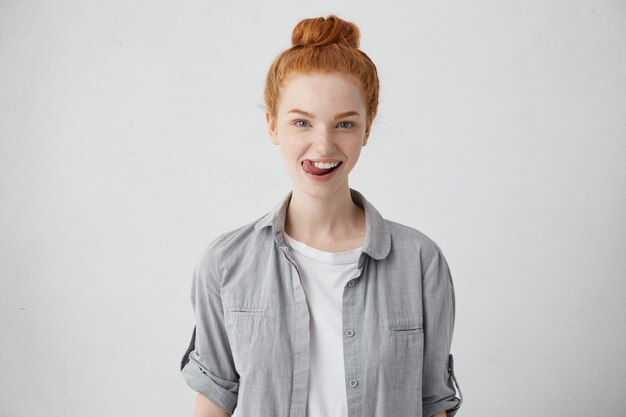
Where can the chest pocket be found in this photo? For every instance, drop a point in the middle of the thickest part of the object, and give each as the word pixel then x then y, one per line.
pixel 250 328
pixel 401 351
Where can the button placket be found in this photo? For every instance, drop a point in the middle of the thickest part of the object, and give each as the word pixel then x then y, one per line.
pixel 351 343
pixel 302 352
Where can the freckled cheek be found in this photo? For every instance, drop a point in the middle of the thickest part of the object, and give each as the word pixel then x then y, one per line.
pixel 291 157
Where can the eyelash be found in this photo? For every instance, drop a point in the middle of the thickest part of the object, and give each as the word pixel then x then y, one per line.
pixel 297 121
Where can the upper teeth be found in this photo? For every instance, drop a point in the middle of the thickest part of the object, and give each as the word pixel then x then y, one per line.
pixel 325 165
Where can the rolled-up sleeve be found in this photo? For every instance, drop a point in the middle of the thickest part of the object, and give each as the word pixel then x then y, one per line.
pixel 438 391
pixel 207 366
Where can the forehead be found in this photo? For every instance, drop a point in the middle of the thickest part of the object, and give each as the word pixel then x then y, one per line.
pixel 321 89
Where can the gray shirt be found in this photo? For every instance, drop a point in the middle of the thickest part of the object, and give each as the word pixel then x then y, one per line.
pixel 250 346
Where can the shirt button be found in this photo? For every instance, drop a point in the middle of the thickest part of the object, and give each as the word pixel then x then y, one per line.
pixel 349 332
pixel 354 383
pixel 351 283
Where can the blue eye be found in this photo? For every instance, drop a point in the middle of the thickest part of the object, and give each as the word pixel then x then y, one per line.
pixel 347 122
pixel 298 121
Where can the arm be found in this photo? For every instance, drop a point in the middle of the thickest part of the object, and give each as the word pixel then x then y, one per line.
pixel 206 408
pixel 207 366
pixel 438 389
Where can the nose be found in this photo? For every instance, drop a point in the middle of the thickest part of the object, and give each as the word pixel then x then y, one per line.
pixel 325 141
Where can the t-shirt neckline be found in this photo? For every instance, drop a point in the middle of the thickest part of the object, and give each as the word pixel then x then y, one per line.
pixel 336 258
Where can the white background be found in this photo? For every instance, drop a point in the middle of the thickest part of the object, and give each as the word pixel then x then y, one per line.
pixel 132 133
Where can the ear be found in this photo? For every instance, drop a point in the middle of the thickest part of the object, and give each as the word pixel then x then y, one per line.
pixel 367 134
pixel 271 128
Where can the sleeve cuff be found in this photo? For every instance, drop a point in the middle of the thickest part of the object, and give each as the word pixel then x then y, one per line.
pixel 452 412
pixel 449 405
pixel 220 391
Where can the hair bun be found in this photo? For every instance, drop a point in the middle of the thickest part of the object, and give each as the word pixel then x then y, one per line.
pixel 319 31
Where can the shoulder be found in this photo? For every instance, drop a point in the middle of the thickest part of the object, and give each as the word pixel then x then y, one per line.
pixel 409 241
pixel 234 243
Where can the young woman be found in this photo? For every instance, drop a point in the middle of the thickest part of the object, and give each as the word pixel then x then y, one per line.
pixel 322 307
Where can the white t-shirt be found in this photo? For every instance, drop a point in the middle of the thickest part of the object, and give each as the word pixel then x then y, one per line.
pixel 324 276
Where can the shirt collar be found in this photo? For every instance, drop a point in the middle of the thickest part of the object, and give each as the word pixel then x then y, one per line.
pixel 377 243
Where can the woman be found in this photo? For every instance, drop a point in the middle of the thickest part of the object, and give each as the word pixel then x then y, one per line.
pixel 322 307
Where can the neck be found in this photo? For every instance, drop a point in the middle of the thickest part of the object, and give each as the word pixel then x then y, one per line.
pixel 333 216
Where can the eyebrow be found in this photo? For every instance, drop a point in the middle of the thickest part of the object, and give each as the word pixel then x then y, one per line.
pixel 339 116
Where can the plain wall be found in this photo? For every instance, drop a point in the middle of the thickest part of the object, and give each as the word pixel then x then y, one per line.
pixel 132 133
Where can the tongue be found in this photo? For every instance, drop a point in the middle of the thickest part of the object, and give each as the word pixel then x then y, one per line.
pixel 308 165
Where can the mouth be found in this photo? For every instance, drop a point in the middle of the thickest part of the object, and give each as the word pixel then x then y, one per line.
pixel 308 166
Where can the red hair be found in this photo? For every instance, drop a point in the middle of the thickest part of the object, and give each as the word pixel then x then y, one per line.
pixel 324 45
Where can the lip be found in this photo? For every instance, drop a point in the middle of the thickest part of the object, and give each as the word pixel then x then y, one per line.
pixel 322 178
pixel 322 160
